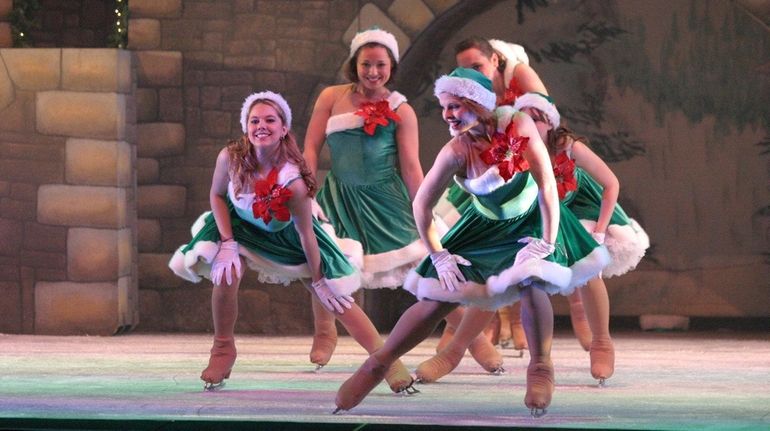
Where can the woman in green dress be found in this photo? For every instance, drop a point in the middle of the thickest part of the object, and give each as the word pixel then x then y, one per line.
pixel 365 201
pixel 261 216
pixel 510 245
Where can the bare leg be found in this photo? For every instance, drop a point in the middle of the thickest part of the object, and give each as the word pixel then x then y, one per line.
pixel 517 329
pixel 506 336
pixel 324 335
pixel 577 316
pixel 453 320
pixel 468 335
pixel 537 317
pixel 414 326
pixel 492 331
pixel 597 307
pixel 224 310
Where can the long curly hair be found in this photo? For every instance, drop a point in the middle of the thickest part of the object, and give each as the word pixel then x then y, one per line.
pixel 562 139
pixel 243 157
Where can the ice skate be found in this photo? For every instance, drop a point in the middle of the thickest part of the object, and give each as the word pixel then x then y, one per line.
pixel 602 354
pixel 324 343
pixel 443 363
pixel 580 326
pixel 486 355
pixel 221 362
pixel 399 379
pixel 540 387
pixel 358 386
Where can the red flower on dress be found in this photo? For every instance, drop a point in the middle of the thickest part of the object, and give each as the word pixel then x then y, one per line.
pixel 507 152
pixel 376 114
pixel 511 93
pixel 270 199
pixel 564 172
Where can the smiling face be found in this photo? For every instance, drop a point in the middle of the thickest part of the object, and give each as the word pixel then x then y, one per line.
pixel 373 66
pixel 456 114
pixel 265 126
pixel 474 58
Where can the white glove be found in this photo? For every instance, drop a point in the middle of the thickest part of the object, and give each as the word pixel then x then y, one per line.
pixel 329 300
pixel 317 211
pixel 226 258
pixel 536 248
pixel 446 266
pixel 598 237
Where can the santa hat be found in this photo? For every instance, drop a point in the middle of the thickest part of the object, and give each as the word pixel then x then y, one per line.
pixel 469 84
pixel 264 95
pixel 539 101
pixel 514 54
pixel 374 35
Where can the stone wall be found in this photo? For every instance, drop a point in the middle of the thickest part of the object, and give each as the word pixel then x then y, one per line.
pixel 73 24
pixel 6 40
pixel 67 191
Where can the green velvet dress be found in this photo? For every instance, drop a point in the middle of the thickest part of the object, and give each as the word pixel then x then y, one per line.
pixel 366 201
pixel 272 249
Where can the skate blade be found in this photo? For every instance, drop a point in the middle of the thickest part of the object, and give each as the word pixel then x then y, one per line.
pixel 338 411
pixel 497 371
pixel 537 412
pixel 213 387
pixel 408 391
pixel 602 383
pixel 318 368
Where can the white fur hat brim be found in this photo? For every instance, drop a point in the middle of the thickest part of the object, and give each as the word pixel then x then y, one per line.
pixel 538 101
pixel 514 54
pixel 381 37
pixel 269 95
pixel 466 88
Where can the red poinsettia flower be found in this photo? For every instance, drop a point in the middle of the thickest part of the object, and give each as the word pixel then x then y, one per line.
pixel 564 171
pixel 270 199
pixel 507 152
pixel 511 93
pixel 376 114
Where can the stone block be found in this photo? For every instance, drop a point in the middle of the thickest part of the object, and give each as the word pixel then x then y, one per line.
pixel 155 8
pixel 143 33
pixel 146 105
pixel 11 232
pixel 7 93
pixel 98 163
pixel 6 38
pixel 19 170
pixel 87 115
pixel 217 124
pixel 440 6
pixel 41 237
pixel 296 55
pixel 34 69
pixel 155 273
pixel 170 105
pixel 161 201
pixel 160 139
pixel 32 152
pixel 371 16
pixel 98 254
pixel 11 322
pixel 65 205
pixel 16 210
pixel 107 70
pixel 71 308
pixel 411 15
pixel 6 6
pixel 147 171
pixel 149 235
pixel 159 68
pixel 664 322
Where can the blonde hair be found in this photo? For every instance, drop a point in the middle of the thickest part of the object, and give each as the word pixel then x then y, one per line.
pixel 243 158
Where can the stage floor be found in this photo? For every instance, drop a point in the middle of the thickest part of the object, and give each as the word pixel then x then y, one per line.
pixel 669 381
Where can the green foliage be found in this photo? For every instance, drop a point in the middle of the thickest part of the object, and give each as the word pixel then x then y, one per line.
pixel 23 19
pixel 119 36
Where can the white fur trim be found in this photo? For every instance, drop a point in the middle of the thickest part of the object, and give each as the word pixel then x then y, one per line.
pixel 507 290
pixel 275 97
pixel 504 115
pixel 375 35
pixel 200 222
pixel 196 263
pixel 535 100
pixel 627 246
pixel 352 249
pixel 485 183
pixel 514 54
pixel 389 269
pixel 467 88
pixel 587 268
pixel 349 120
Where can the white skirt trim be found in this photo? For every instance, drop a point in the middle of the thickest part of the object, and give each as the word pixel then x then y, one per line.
pixel 626 244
